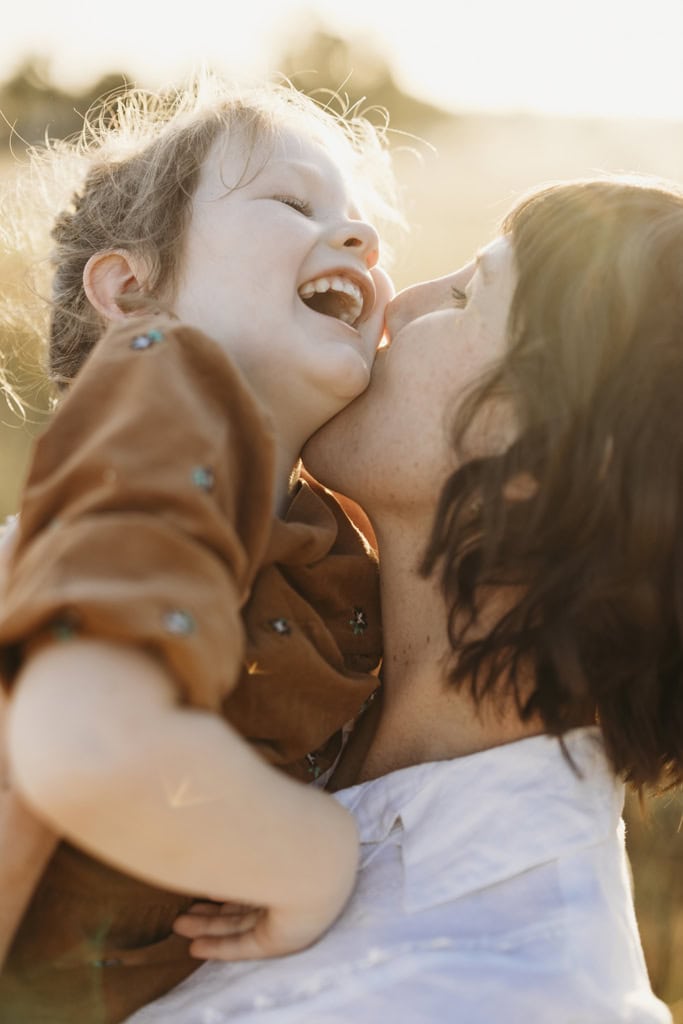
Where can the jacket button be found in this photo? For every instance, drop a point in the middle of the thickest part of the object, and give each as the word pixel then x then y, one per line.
pixel 203 478
pixel 144 341
pixel 358 621
pixel 179 623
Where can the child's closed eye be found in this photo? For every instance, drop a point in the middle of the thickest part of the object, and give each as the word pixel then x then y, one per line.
pixel 300 205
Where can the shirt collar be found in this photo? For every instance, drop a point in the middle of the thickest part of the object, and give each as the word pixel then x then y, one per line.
pixel 478 820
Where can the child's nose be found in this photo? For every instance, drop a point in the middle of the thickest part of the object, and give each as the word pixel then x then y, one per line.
pixel 357 234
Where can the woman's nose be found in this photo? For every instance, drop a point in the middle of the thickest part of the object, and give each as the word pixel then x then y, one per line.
pixel 417 300
pixel 358 235
pixel 427 297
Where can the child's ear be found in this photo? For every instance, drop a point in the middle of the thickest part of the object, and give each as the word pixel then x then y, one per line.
pixel 109 275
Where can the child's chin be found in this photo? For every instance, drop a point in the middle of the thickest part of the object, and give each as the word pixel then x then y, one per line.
pixel 352 378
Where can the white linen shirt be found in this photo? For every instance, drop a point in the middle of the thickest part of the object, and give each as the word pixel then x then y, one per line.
pixel 494 887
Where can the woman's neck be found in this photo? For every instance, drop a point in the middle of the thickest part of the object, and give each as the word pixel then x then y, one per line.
pixel 423 717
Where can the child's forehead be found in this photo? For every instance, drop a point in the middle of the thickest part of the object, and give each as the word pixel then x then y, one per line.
pixel 314 160
pixel 317 157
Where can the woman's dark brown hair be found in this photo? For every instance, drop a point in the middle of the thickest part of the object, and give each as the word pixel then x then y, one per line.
pixel 592 545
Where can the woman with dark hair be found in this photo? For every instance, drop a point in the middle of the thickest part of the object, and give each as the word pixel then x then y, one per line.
pixel 520 455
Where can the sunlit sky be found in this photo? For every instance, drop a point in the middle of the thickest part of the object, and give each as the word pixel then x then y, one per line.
pixel 601 57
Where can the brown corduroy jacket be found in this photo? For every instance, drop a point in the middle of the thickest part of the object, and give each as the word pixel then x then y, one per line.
pixel 146 520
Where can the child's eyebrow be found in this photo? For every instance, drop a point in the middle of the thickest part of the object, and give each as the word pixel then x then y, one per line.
pixel 311 175
pixel 301 168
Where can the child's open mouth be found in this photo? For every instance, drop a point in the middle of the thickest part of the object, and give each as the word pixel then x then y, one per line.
pixel 335 296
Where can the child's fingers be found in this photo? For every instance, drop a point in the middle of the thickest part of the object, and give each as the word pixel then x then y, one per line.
pixel 205 909
pixel 208 907
pixel 246 946
pixel 193 926
pixel 269 935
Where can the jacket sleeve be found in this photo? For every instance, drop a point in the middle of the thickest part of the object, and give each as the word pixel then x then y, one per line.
pixel 147 509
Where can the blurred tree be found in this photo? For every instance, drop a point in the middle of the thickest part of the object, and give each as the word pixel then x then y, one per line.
pixel 33 106
pixel 323 62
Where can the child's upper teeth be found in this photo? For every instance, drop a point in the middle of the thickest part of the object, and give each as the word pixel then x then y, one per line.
pixel 320 285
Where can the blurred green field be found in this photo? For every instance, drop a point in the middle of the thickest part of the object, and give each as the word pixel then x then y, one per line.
pixel 454 198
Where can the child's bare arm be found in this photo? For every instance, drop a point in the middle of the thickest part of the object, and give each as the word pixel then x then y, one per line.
pixel 100 746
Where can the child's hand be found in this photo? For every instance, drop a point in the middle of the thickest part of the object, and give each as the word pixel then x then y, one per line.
pixel 210 924
pixel 228 932
pixel 235 931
